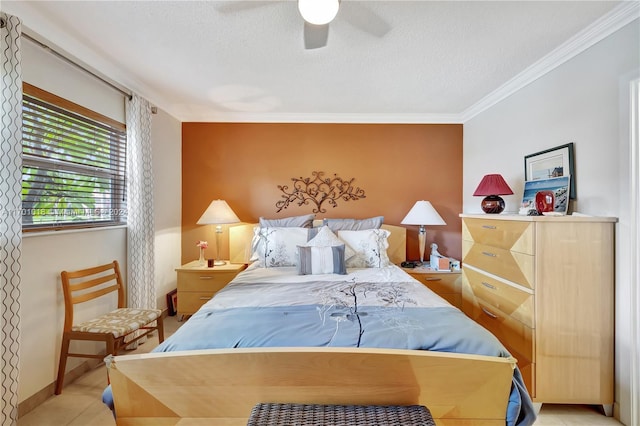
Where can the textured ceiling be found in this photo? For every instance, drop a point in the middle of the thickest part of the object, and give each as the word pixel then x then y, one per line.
pixel 245 61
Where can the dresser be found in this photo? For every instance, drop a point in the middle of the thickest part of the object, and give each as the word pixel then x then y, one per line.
pixel 544 286
pixel 446 284
pixel 197 284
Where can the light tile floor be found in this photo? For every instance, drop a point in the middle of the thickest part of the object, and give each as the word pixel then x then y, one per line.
pixel 80 403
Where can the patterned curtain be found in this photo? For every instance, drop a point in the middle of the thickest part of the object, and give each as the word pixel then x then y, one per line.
pixel 10 213
pixel 140 224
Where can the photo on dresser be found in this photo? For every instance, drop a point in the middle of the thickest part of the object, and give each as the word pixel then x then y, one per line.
pixel 551 163
pixel 547 196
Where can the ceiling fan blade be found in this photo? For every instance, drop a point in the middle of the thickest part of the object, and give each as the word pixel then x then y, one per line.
pixel 362 17
pixel 315 36
pixel 239 6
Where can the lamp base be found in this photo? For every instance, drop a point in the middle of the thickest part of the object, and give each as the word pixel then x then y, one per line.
pixel 492 204
pixel 219 262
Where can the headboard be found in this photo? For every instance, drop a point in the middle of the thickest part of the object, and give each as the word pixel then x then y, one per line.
pixel 240 237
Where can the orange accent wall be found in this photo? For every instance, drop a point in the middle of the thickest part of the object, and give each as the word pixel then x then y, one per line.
pixel 395 164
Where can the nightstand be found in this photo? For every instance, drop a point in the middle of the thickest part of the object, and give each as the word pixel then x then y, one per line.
pixel 446 284
pixel 197 284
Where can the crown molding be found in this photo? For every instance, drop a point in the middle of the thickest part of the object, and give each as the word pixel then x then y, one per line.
pixel 322 118
pixel 617 18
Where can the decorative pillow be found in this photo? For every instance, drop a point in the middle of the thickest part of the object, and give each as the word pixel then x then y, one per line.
pixel 325 238
pixel 276 247
pixel 353 224
pixel 304 221
pixel 370 245
pixel 321 260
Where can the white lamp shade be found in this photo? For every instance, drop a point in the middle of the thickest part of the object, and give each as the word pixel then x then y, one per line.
pixel 318 12
pixel 423 213
pixel 218 213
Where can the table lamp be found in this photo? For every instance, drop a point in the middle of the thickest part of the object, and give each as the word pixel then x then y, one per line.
pixel 492 186
pixel 422 213
pixel 218 213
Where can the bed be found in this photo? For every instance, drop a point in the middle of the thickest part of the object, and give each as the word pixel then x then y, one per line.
pixel 302 325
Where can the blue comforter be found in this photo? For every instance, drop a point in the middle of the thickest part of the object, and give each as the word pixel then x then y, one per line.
pixel 349 314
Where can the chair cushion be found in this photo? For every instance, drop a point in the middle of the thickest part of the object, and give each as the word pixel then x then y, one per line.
pixel 119 322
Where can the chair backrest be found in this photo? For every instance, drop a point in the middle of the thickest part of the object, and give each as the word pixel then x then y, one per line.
pixel 88 284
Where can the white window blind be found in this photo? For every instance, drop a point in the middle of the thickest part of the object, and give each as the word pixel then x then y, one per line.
pixel 73 169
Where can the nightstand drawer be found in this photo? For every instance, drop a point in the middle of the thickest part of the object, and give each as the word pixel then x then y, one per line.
pixel 192 301
pixel 197 284
pixel 508 299
pixel 505 234
pixel 204 281
pixel 445 284
pixel 440 283
pixel 512 266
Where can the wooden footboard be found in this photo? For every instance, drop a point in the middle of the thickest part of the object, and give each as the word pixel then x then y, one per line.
pixel 219 387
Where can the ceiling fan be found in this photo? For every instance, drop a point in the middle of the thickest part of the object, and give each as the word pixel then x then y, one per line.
pixel 318 14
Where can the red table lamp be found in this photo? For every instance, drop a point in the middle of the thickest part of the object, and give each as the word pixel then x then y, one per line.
pixel 492 187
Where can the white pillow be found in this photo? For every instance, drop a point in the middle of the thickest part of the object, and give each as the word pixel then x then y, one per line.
pixel 370 246
pixel 276 247
pixel 326 238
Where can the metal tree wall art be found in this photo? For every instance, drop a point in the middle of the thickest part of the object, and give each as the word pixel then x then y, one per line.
pixel 317 189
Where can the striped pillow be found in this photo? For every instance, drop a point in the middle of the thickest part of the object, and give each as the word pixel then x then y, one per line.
pixel 321 260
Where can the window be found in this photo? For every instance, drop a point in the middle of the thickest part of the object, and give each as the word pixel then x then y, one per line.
pixel 74 164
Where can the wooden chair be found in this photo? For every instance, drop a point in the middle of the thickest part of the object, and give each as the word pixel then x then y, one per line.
pixel 113 327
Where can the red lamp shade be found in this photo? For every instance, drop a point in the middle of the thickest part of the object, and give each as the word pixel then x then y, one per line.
pixel 492 186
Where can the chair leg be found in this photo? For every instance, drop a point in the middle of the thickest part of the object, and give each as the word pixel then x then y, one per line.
pixel 62 365
pixel 160 323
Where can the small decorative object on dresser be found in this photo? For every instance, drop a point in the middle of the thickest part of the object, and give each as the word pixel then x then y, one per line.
pixel 547 195
pixel 197 283
pixel 544 286
pixel 492 187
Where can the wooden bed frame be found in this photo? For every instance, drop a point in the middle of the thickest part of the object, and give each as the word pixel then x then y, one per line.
pixel 220 387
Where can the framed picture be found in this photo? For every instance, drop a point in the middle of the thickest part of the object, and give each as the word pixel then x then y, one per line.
pixel 558 187
pixel 551 163
pixel 172 302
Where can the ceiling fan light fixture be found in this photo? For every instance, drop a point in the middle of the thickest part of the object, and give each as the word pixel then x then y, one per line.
pixel 318 12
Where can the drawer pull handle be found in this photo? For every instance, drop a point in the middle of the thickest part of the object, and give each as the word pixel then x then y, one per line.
pixel 433 279
pixel 486 253
pixel 206 278
pixel 486 284
pixel 205 298
pixel 489 313
pixel 488 226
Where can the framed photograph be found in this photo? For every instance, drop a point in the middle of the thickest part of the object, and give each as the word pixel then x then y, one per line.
pixel 551 163
pixel 172 302
pixel 556 189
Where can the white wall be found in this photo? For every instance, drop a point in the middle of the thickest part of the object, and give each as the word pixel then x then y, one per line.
pixel 577 102
pixel 166 136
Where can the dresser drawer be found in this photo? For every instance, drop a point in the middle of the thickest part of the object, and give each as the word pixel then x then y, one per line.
pixel 504 234
pixel 512 301
pixel 204 281
pixel 192 301
pixel 512 266
pixel 515 336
